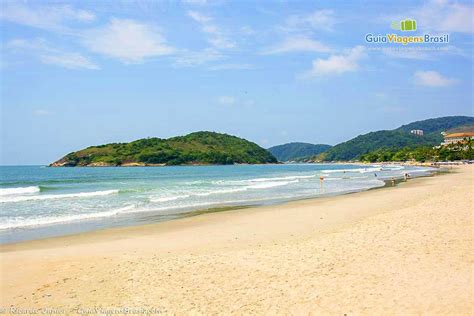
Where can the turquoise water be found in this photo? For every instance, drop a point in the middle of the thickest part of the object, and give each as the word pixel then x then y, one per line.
pixel 37 201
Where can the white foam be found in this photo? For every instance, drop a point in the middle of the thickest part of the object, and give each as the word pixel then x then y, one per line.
pixel 394 168
pixel 281 178
pixel 221 191
pixel 421 170
pixel 12 199
pixel 168 198
pixel 359 170
pixel 371 170
pixel 256 185
pixel 286 178
pixel 21 223
pixel 271 184
pixel 19 191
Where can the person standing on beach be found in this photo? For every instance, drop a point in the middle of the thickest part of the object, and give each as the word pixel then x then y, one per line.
pixel 321 181
pixel 406 176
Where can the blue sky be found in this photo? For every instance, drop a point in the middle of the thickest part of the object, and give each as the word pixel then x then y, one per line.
pixel 75 74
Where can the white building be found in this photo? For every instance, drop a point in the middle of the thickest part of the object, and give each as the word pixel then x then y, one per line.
pixel 418 132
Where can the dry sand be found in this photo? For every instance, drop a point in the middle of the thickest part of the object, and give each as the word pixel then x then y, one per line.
pixel 407 249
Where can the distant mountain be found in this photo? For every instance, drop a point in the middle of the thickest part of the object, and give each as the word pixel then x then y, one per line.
pixel 395 139
pixel 297 151
pixel 195 148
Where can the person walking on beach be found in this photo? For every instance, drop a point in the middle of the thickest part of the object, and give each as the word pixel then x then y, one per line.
pixel 321 181
pixel 406 176
pixel 393 181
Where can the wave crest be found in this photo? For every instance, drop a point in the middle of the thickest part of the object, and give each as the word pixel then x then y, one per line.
pixel 12 199
pixel 19 191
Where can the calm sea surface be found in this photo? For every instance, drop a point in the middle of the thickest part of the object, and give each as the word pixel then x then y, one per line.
pixel 38 202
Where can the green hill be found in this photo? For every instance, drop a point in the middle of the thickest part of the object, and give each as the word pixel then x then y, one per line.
pixel 461 129
pixel 297 151
pixel 438 125
pixel 395 139
pixel 195 148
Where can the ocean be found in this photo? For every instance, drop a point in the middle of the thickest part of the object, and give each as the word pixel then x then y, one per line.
pixel 38 201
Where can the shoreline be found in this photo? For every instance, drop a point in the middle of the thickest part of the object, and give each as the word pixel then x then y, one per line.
pixel 142 164
pixel 402 249
pixel 90 235
pixel 215 209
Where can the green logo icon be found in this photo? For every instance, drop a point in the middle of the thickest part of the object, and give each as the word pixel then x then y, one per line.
pixel 405 25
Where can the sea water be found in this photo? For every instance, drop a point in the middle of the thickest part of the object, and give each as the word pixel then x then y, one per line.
pixel 38 201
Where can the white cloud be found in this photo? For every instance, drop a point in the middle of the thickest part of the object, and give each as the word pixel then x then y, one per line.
pixel 226 100
pixel 126 40
pixel 51 18
pixel 381 95
pixel 458 19
pixel 231 67
pixel 446 16
pixel 440 16
pixel 47 54
pixel 217 39
pixel 247 30
pixel 249 103
pixel 195 2
pixel 41 112
pixel 69 60
pixel 433 79
pixel 338 64
pixel 189 58
pixel 198 17
pixel 315 21
pixel 298 44
pixel 221 42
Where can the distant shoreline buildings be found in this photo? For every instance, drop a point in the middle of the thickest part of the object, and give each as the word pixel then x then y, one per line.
pixel 454 138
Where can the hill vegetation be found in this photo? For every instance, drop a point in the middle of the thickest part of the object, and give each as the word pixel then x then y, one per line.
pixel 395 139
pixel 462 129
pixel 297 151
pixel 438 125
pixel 444 153
pixel 195 148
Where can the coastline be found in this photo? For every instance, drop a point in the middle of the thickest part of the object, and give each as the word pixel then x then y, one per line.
pixel 244 251
pixel 148 205
pixel 141 164
pixel 67 230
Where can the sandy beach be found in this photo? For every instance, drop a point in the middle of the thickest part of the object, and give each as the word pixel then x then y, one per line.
pixel 397 250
